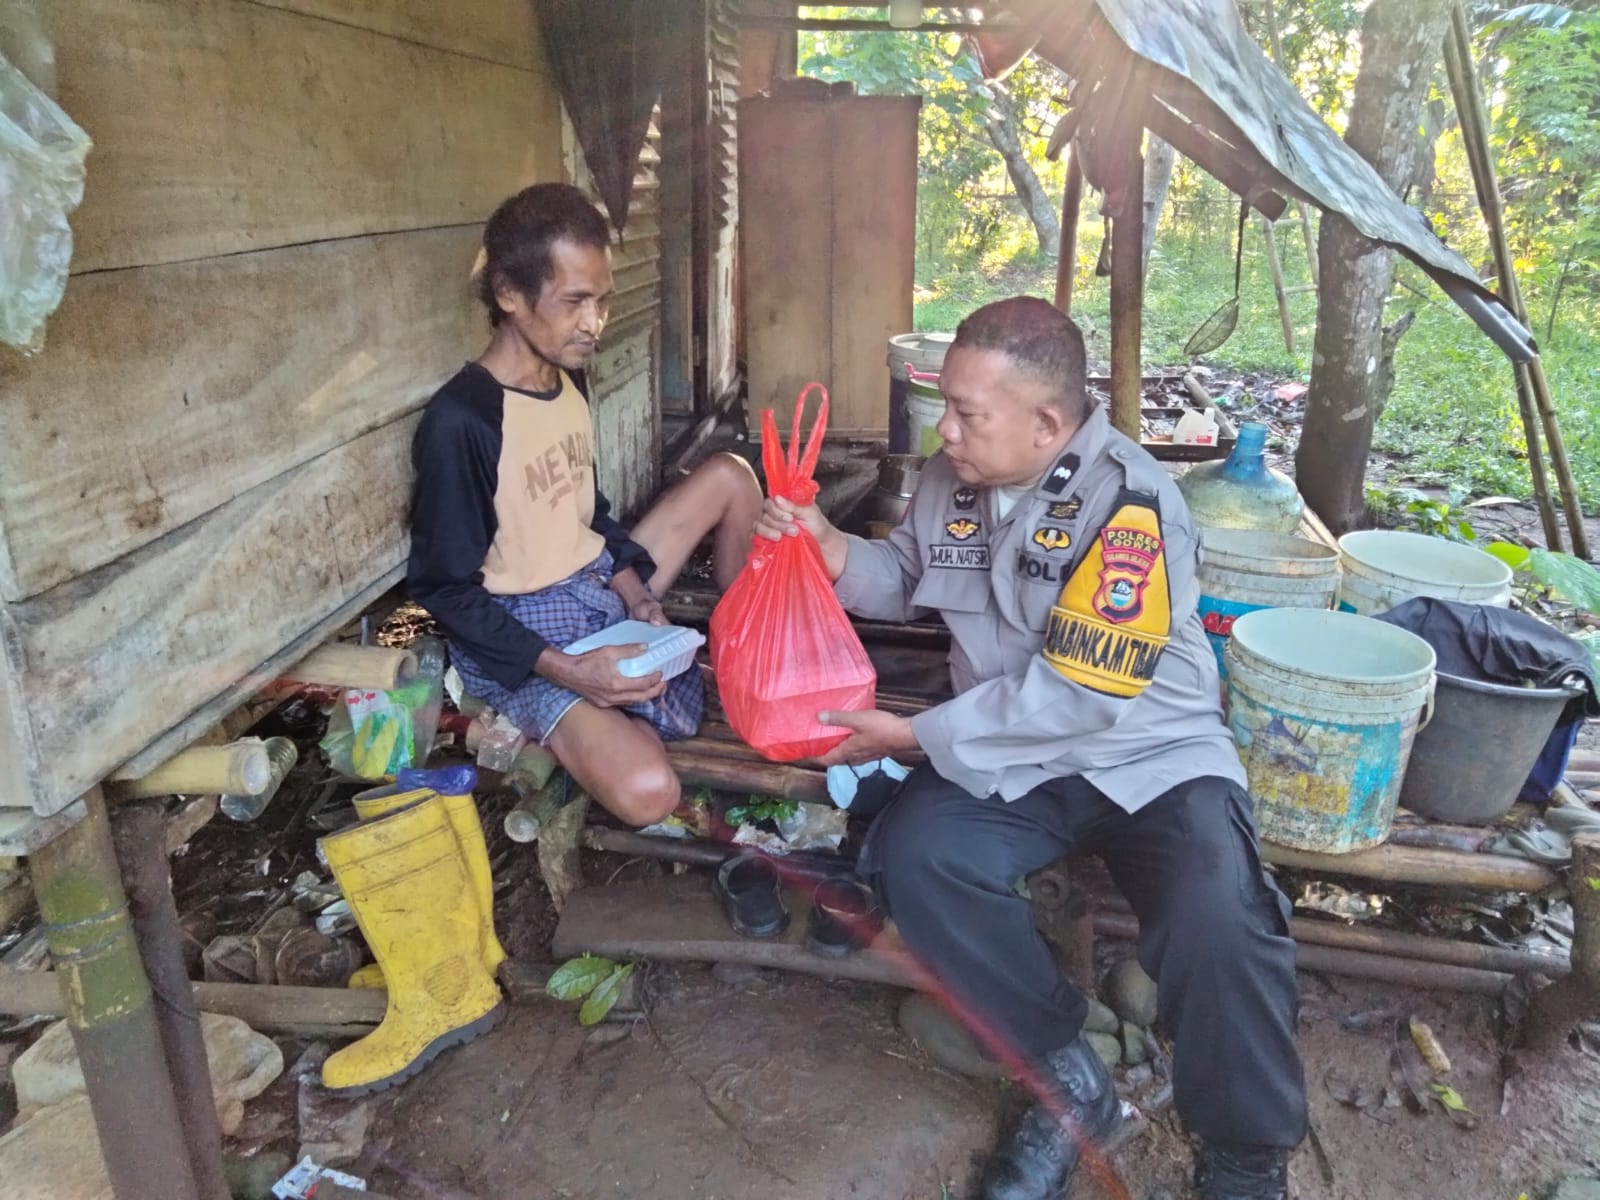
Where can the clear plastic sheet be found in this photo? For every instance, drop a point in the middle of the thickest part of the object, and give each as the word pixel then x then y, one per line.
pixel 42 151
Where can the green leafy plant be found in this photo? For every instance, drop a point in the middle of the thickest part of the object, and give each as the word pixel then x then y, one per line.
pixel 594 980
pixel 1560 575
pixel 762 808
pixel 1417 510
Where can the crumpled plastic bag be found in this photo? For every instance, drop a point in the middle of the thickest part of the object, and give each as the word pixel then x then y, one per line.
pixel 41 181
pixel 782 648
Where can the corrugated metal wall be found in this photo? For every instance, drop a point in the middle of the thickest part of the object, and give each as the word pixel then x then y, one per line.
pixel 722 153
pixel 627 418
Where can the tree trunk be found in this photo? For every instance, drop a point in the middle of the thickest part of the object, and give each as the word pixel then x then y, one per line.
pixel 1159 159
pixel 1401 43
pixel 1040 207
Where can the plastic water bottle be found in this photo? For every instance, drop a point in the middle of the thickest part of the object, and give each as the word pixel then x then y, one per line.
pixel 1243 492
pixel 428 696
pixel 282 755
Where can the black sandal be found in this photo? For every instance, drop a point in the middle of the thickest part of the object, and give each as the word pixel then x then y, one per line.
pixel 748 888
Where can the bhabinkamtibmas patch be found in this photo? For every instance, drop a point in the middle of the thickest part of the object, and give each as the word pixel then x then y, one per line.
pixel 1114 615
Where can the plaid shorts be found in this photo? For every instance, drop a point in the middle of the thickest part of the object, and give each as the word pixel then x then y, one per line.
pixel 581 604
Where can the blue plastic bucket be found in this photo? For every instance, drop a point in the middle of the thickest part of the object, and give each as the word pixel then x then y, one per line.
pixel 1324 707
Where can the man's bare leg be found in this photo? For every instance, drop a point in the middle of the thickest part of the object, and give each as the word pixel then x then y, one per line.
pixel 618 760
pixel 721 497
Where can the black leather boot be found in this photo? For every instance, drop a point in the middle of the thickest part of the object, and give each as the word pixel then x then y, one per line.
pixel 1240 1171
pixel 1036 1161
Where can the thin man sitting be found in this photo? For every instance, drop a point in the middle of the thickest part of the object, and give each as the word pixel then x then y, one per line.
pixel 513 548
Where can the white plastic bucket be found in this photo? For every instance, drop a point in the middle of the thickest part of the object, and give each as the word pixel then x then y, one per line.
pixel 1324 707
pixel 1242 570
pixel 910 352
pixel 924 407
pixel 1385 567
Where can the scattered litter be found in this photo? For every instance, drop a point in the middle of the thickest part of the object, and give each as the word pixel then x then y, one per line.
pixel 1320 896
pixel 336 919
pixel 1428 1045
pixel 302 1180
pixel 499 743
pixel 312 893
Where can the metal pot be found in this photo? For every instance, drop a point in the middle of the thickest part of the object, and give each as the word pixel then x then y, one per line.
pixel 897 480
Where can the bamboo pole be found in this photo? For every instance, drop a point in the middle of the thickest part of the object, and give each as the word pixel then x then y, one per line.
pixel 1399 944
pixel 1067 253
pixel 1284 316
pixel 1408 864
pixel 138 832
pixel 106 997
pixel 1475 137
pixel 534 810
pixel 1305 209
pixel 1127 286
pixel 1356 963
pixel 241 768
pixel 335 664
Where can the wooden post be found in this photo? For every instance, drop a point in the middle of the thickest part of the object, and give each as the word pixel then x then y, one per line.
pixel 1067 256
pixel 1576 998
pixel 107 996
pixel 1127 287
pixel 139 834
pixel 1284 316
pixel 1475 137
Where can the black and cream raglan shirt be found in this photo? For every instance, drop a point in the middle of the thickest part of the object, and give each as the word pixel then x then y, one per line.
pixel 505 503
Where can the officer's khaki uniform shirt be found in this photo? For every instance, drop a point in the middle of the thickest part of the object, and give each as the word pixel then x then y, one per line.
pixel 1103 672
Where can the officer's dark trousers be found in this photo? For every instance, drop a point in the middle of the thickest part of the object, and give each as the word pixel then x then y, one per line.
pixel 1213 930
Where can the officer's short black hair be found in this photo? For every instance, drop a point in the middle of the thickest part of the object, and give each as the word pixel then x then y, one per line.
pixel 1041 340
pixel 518 237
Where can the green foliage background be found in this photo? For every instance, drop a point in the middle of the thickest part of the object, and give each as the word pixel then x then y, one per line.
pixel 1452 418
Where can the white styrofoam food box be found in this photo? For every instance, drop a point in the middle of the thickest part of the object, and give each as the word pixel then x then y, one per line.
pixel 671 647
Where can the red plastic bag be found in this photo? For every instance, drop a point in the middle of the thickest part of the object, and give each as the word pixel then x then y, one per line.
pixel 782 648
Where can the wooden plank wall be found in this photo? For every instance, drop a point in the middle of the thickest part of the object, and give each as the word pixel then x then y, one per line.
pixel 827 197
pixel 207 464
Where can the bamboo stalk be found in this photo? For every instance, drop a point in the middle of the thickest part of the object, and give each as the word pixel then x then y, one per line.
pixel 103 990
pixel 1285 318
pixel 240 768
pixel 1475 137
pixel 533 811
pixel 1356 963
pixel 1398 944
pixel 1276 43
pixel 769 779
pixel 1409 864
pixel 1067 252
pixel 339 665
pixel 138 833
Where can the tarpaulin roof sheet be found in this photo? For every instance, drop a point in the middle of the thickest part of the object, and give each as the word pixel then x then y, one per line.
pixel 1245 115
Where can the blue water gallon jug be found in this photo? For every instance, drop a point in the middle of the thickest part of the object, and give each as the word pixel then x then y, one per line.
pixel 1242 492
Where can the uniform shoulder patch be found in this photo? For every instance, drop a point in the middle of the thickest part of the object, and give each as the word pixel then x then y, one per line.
pixel 1113 617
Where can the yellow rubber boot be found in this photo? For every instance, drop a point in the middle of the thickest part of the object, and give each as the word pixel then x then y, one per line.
pixel 370 805
pixel 455 788
pixel 413 899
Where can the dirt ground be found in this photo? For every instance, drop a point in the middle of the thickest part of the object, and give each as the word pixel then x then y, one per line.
pixel 743 1083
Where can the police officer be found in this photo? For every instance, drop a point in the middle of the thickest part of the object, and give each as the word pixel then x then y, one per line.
pixel 1086 718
